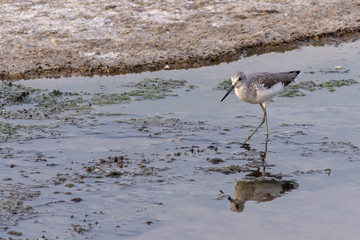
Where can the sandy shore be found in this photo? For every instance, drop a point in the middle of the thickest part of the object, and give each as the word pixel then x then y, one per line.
pixel 44 38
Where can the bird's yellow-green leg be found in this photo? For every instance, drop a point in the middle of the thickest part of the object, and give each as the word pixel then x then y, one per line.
pixel 263 107
pixel 264 119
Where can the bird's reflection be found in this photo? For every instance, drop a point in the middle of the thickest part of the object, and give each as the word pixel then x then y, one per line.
pixel 261 189
pixel 260 186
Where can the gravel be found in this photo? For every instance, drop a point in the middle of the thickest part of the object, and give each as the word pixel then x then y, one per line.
pixel 45 38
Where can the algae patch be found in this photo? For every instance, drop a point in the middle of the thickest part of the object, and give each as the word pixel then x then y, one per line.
pixel 227 169
pixel 336 69
pixel 330 85
pixel 49 104
pixel 111 98
pixel 147 89
pixel 8 130
pixel 224 85
pixel 20 102
pixel 156 88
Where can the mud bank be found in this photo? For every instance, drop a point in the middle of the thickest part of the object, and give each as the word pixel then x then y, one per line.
pixel 50 39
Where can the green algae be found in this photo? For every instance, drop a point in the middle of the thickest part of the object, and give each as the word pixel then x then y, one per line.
pixel 335 70
pixel 330 85
pixel 20 102
pixel 111 98
pixel 224 85
pixel 156 88
pixel 44 104
pixel 147 89
pixel 15 233
pixel 227 169
pixel 8 129
pixel 37 104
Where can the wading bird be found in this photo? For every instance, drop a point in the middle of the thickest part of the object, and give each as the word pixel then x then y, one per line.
pixel 259 88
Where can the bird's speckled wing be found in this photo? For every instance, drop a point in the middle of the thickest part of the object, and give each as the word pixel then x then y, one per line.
pixel 270 79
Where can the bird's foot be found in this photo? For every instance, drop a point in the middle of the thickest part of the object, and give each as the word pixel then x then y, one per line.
pixel 245 145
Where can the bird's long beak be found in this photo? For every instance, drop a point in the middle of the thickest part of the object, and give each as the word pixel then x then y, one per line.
pixel 232 87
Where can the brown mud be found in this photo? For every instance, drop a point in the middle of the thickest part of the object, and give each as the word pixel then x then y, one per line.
pixel 107 37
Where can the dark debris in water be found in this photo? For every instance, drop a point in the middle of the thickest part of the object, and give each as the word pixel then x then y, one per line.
pixel 156 126
pixel 216 160
pixel 80 229
pixel 12 203
pixel 129 169
pixel 348 150
pixel 317 171
pixel 76 199
pixel 122 168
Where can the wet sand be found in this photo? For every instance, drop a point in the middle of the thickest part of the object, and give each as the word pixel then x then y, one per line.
pixel 50 39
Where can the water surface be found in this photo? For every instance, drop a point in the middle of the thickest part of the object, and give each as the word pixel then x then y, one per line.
pixel 166 168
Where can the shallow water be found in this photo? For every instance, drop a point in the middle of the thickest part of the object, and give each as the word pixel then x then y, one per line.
pixel 161 169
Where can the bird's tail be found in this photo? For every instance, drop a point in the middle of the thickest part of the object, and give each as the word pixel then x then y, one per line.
pixel 296 72
pixel 294 75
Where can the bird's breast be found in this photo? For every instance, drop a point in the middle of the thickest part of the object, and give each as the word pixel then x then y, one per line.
pixel 246 94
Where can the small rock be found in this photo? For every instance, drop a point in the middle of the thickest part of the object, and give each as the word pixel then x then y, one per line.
pixel 76 199
pixel 216 160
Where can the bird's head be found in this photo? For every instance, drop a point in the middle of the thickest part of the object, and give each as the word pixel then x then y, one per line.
pixel 236 79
